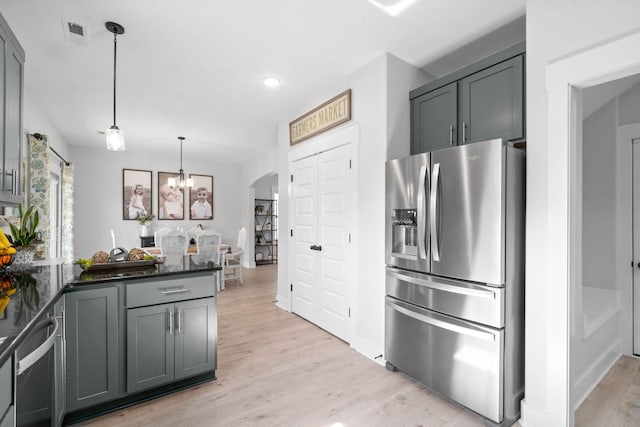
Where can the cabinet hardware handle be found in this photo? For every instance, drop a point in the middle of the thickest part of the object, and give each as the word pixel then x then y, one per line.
pixel 450 134
pixel 31 358
pixel 170 320
pixel 433 211
pixel 179 321
pixel 14 182
pixel 464 132
pixel 169 291
pixel 422 206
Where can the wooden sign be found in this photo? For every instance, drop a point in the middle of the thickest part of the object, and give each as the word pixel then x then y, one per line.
pixel 335 111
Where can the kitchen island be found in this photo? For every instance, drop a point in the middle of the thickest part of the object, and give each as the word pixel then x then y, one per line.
pixel 128 334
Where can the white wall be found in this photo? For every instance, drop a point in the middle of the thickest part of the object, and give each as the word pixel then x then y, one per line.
pixel 266 187
pixel 599 197
pixel 629 103
pixel 554 30
pixel 380 109
pixel 98 196
pixel 34 121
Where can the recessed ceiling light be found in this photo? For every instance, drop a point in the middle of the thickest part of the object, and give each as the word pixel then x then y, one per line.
pixel 271 81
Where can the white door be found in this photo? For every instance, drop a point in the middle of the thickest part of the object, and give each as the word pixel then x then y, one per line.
pixel 636 246
pixel 322 202
pixel 304 299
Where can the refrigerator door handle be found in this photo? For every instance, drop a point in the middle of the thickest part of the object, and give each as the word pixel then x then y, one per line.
pixel 422 205
pixel 450 325
pixel 482 293
pixel 433 209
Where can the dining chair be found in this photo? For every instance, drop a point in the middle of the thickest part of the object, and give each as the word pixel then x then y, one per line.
pixel 157 235
pixel 174 242
pixel 208 249
pixel 232 267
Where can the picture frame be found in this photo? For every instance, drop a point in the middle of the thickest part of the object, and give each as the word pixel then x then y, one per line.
pixel 201 208
pixel 170 199
pixel 137 193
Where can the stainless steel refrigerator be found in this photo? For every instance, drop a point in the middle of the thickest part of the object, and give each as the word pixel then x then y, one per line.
pixel 454 309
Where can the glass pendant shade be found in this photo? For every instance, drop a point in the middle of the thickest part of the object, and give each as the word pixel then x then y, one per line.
pixel 115 139
pixel 114 136
pixel 180 181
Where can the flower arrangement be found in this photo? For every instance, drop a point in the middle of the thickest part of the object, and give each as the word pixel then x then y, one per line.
pixel 145 219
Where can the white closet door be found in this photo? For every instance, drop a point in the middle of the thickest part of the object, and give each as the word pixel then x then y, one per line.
pixel 322 201
pixel 334 203
pixel 305 217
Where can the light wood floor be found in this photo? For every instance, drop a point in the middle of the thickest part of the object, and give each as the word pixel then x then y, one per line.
pixel 616 400
pixel 276 369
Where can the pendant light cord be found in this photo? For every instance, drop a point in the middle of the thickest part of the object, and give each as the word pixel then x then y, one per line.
pixel 115 48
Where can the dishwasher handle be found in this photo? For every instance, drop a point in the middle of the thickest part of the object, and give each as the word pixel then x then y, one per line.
pixel 31 358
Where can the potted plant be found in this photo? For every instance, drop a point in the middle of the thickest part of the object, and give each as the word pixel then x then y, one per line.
pixel 144 221
pixel 24 235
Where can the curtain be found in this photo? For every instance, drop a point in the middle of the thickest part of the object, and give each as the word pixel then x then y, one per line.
pixel 67 212
pixel 38 185
pixel 39 175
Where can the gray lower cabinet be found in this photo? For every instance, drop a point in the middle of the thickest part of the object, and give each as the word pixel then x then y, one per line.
pixel 6 394
pixel 91 333
pixel 169 342
pixel 59 367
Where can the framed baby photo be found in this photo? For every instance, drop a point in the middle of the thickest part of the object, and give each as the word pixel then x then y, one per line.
pixel 201 197
pixel 170 197
pixel 137 193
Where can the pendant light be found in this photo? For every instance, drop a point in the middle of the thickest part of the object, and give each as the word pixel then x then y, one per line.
pixel 115 137
pixel 180 181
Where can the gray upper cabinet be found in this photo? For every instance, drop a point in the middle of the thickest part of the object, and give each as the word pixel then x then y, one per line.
pixel 492 103
pixel 12 59
pixel 91 333
pixel 435 116
pixel 482 101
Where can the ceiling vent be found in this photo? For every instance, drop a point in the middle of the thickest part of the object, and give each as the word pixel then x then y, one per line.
pixel 75 33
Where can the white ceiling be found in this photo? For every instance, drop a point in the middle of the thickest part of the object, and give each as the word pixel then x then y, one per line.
pixel 194 67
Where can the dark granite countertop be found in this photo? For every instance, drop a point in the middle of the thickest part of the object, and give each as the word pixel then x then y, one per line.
pixel 33 289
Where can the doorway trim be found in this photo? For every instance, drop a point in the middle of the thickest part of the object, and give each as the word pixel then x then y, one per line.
pixel 612 60
pixel 624 228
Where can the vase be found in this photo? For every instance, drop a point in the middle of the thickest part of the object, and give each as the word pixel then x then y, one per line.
pixel 24 254
pixel 145 231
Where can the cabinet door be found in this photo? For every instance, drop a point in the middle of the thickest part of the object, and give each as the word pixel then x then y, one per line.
pixel 6 393
pixel 58 372
pixel 492 103
pixel 195 337
pixel 150 332
pixel 91 332
pixel 13 129
pixel 434 119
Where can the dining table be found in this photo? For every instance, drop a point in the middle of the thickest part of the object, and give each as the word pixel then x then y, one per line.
pixel 191 250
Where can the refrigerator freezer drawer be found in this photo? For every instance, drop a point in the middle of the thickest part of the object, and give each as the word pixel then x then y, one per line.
pixel 477 303
pixel 459 360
